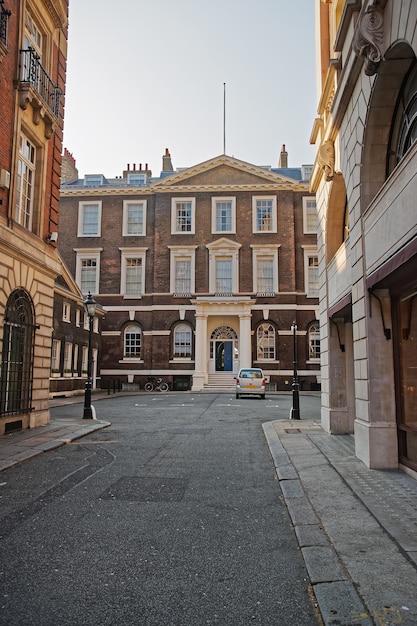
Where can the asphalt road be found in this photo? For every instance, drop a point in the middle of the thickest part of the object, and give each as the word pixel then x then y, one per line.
pixel 171 516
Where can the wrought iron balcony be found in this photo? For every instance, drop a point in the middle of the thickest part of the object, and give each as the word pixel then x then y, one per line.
pixel 37 88
pixel 4 21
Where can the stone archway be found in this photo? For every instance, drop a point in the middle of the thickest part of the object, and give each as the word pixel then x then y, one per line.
pixel 381 109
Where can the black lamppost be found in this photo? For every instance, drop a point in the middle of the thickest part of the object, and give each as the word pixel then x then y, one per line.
pixel 90 306
pixel 295 411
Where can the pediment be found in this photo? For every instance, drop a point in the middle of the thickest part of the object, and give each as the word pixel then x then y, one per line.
pixel 66 284
pixel 223 244
pixel 224 172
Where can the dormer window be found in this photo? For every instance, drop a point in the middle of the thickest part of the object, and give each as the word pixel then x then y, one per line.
pixel 93 180
pixel 137 179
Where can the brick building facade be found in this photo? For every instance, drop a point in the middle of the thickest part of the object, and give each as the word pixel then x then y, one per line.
pixel 33 41
pixel 200 270
pixel 366 187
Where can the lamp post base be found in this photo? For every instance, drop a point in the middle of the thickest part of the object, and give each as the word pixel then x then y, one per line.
pixel 295 411
pixel 88 412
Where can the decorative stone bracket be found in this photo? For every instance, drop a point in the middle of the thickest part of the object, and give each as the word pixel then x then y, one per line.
pixel 326 159
pixel 368 38
pixel 28 95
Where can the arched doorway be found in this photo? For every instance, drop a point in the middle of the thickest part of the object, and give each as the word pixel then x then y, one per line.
pixel 17 354
pixel 223 348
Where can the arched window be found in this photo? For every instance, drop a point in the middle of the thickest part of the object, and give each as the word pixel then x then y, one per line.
pixel 404 128
pixel 132 341
pixel 314 342
pixel 182 341
pixel 17 354
pixel 265 342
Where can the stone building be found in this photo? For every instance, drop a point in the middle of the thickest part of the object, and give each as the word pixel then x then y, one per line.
pixel 365 182
pixel 33 48
pixel 199 270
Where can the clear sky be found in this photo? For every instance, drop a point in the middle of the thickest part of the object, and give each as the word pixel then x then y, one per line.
pixel 143 76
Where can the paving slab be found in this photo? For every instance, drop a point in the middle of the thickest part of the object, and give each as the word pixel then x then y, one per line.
pixel 356 527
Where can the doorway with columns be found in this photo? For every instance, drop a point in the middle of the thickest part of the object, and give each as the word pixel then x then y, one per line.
pixel 222 337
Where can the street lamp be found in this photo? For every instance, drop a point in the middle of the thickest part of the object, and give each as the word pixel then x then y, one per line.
pixel 90 306
pixel 295 411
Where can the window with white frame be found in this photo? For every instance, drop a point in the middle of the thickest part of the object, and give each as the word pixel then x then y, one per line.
pixel 314 342
pixel 68 357
pixel 182 341
pixel 75 359
pixel 264 214
pixel 134 217
pixel 66 312
pixel 132 341
pixel 311 271
pixel 265 342
pixel 182 274
pixel 265 269
pixel 183 216
pixel 132 283
pixel 87 271
pixel 84 361
pixel 309 215
pixel 33 57
pixel 224 275
pixel 224 267
pixel 26 167
pixel 89 219
pixel 265 275
pixel 223 215
pixel 77 317
pixel 32 36
pixel 55 355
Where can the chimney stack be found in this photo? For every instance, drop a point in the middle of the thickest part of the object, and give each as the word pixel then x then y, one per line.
pixel 166 162
pixel 69 171
pixel 283 157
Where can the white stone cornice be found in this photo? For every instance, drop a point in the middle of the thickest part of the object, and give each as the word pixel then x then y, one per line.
pixel 279 185
pixel 126 190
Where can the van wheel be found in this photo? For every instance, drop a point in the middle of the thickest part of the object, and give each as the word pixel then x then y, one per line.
pixel 237 396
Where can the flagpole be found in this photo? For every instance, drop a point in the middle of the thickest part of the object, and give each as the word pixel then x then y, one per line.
pixel 224 118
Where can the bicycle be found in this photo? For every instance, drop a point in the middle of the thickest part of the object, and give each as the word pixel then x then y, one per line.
pixel 156 384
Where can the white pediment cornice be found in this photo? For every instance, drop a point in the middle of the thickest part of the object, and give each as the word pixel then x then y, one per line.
pixel 267 180
pixel 223 243
pixel 71 286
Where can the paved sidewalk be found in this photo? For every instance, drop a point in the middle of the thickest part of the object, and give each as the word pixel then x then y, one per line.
pixel 356 528
pixel 21 446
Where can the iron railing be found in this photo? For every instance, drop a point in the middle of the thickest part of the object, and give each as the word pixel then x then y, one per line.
pixel 17 368
pixel 35 74
pixel 4 20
